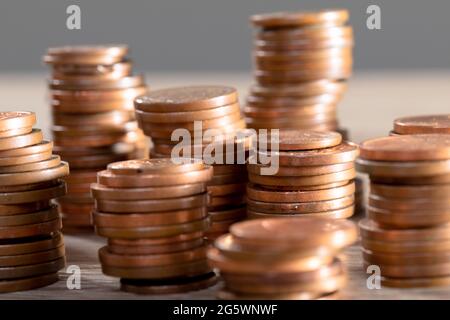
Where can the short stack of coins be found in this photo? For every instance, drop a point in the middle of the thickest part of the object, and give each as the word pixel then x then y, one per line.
pixel 154 214
pixel 31 244
pixel 214 108
pixel 314 177
pixel 92 90
pixel 407 230
pixel 302 62
pixel 439 123
pixel 283 259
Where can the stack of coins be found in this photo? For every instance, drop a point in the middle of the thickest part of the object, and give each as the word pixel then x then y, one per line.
pixel 290 258
pixel 407 230
pixel 314 177
pixel 31 245
pixel 154 214
pixel 302 62
pixel 211 117
pixel 422 125
pixel 92 90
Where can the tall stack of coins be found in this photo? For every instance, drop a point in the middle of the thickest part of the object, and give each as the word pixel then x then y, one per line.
pixel 283 258
pixel 212 120
pixel 92 90
pixel 154 214
pixel 31 245
pixel 314 178
pixel 422 124
pixel 302 62
pixel 407 230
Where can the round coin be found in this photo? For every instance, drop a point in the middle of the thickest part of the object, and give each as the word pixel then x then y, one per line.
pixel 423 124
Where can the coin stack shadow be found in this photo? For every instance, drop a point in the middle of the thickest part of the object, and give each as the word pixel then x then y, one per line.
pixel 31 244
pixel 154 214
pixel 302 62
pixel 314 177
pixel 217 109
pixel 92 90
pixel 406 232
pixel 283 259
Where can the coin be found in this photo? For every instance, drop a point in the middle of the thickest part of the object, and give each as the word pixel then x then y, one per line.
pixel 112 118
pixel 27 159
pixel 415 282
pixel 403 169
pixel 103 55
pixel 32 245
pixel 306 140
pixel 300 90
pixel 24 140
pixel 97 96
pixel 292 19
pixel 100 72
pixel 342 213
pixel 229 214
pixel 31 230
pixel 270 102
pixel 304 56
pixel 32 258
pixel 406 246
pixel 15 132
pixel 97 84
pixel 30 218
pixel 262 111
pixel 52 162
pixel 411 205
pixel 228 295
pixel 302 171
pixel 148 166
pixel 413 271
pixel 441 180
pixel 423 124
pixel 407 148
pixel 28 283
pixel 155 249
pixel 32 270
pixel 226 189
pixel 406 258
pixel 407 219
pixel 157 241
pixel 304 44
pixel 304 33
pixel 12 179
pixel 13 120
pixel 43 146
pixel 406 192
pixel 186 99
pixel 23 208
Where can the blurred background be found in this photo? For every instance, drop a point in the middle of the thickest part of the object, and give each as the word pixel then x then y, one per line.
pixel 401 69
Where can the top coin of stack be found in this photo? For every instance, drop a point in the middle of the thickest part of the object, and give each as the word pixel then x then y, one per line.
pixel 31 245
pixel 283 259
pixel 314 177
pixel 92 90
pixel 422 124
pixel 302 62
pixel 407 232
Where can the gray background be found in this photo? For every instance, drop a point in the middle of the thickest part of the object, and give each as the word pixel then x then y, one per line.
pixel 202 35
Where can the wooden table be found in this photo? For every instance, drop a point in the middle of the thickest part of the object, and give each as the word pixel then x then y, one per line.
pixel 373 101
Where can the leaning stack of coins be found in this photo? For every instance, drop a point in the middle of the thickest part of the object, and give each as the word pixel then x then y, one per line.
pixel 422 125
pixel 154 214
pixel 290 258
pixel 212 121
pixel 31 245
pixel 407 231
pixel 302 62
pixel 314 177
pixel 92 90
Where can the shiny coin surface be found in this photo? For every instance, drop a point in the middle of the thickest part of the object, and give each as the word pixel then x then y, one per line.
pixel 423 124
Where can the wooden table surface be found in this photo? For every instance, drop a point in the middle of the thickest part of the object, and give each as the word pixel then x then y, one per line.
pixel 372 102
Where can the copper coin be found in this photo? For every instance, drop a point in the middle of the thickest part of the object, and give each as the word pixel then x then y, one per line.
pixel 168 117
pixel 32 258
pixel 345 152
pixel 29 218
pixel 76 220
pixel 226 179
pixel 191 98
pixel 284 102
pixel 229 214
pixel 411 205
pixel 371 230
pixel 234 199
pixel 301 90
pixel 279 77
pixel 303 171
pixel 306 188
pixel 304 44
pixel 413 271
pixel 27 159
pixel 304 33
pixel 97 84
pixel 28 283
pixel 90 107
pixel 302 232
pixel 407 148
pixel 99 72
pixel 342 213
pixel 15 132
pixel 292 56
pixel 169 286
pixel 154 180
pixel 106 220
pixel 228 295
pixel 13 120
pixel 221 169
pixel 54 161
pixel 33 195
pixel 12 179
pixel 292 19
pixel 441 180
pixel 96 161
pixel 184 237
pixel 154 231
pixel 295 112
pixel 31 245
pixel 112 118
pixel 155 249
pixel 406 246
pixel 300 207
pixel 103 55
pixel 407 192
pixel 43 146
pixel 23 208
pixel 226 189
pixel 220 227
pixel 100 96
pixel 21 141
pixel 31 230
pixel 155 166
pixel 426 282
pixel 78 188
pixel 32 270
pixel 306 140
pixel 403 169
pixel 261 194
pixel 321 123
pixel 406 258
pixel 105 193
pixel 81 176
pixel 423 124
pixel 346 175
pixel 406 219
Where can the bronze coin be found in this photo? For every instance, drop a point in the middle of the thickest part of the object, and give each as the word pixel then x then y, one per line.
pixel 304 44
pixel 112 118
pixel 307 188
pixel 345 152
pixel 322 179
pixel 193 268
pixel 191 98
pixel 97 55
pixel 169 286
pixel 403 169
pixel 303 171
pixel 407 148
pixel 155 249
pixel 342 213
pixel 333 62
pixel 81 176
pixel 90 107
pixel 406 258
pixel 23 208
pixel 300 19
pixel 99 72
pixel 54 161
pixel 396 247
pixel 279 77
pixel 235 199
pixel 228 295
pixel 33 195
pixel 304 33
pixel 226 179
pixel 15 132
pixel 284 102
pixel 441 180
pixel 423 124
pixel 408 192
pixel 321 123
pixel 77 221
pixel 220 227
pixel 300 207
pixel 301 90
pixel 32 258
pixel 157 241
pixel 407 219
pixel 30 218
pixel 26 159
pixel 306 140
pixel 426 282
pixel 31 230
pixel 303 55
pixel 413 271
pixel 154 180
pixel 221 169
pixel 31 245
pixel 411 205
pixel 97 84
pixel 99 96
pixel 13 120
pixel 96 161
pixel 261 194
pixel 154 231
pixel 106 220
pixel 25 140
pixel 14 179
pixel 43 146
pixel 155 166
pixel 229 214
pixel 295 111
pixel 28 283
pixel 32 270
pixel 226 189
